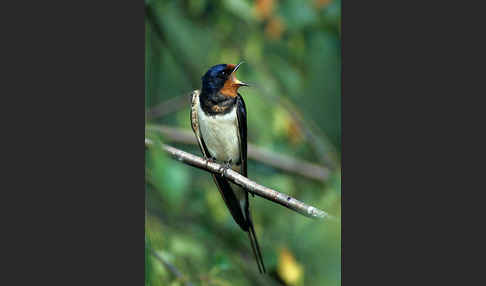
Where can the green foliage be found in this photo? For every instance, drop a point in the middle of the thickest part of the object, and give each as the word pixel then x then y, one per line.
pixel 148 264
pixel 292 59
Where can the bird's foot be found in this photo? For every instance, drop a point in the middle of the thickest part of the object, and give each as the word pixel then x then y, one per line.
pixel 210 160
pixel 225 166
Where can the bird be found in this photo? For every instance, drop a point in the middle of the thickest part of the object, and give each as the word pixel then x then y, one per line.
pixel 218 119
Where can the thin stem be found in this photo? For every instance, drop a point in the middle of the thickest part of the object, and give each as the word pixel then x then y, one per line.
pixel 249 185
pixel 278 161
pixel 172 269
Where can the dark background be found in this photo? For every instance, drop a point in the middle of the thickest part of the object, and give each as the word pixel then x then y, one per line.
pixel 72 209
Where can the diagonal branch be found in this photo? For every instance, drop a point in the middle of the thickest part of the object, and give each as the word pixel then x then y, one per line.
pixel 169 106
pixel 278 161
pixel 247 184
pixel 313 135
pixel 172 269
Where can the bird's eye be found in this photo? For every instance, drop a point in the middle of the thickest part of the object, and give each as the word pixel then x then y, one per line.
pixel 223 73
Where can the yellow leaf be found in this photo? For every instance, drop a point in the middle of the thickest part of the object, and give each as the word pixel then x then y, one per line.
pixel 289 269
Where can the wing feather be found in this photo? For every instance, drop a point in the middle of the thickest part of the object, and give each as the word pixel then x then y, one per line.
pixel 241 115
pixel 195 121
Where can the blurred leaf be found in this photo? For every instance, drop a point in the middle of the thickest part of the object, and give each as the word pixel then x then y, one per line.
pixel 148 265
pixel 221 263
pixel 321 3
pixel 196 7
pixel 241 9
pixel 287 75
pixel 216 206
pixel 275 28
pixel 264 8
pixel 285 125
pixel 253 48
pixel 289 269
pixel 170 177
pixel 297 14
pixel 183 246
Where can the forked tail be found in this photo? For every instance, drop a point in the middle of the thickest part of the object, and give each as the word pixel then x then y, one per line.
pixel 255 247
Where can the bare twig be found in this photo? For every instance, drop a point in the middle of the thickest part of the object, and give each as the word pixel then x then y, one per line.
pixel 247 184
pixel 278 161
pixel 169 106
pixel 312 134
pixel 172 269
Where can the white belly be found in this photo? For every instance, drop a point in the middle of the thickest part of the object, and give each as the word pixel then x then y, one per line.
pixel 220 133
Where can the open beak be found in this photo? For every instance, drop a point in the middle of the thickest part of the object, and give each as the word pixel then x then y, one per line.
pixel 235 80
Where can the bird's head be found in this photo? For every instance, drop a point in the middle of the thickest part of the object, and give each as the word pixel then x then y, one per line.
pixel 221 78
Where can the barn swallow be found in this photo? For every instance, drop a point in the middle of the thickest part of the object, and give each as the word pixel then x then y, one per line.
pixel 218 119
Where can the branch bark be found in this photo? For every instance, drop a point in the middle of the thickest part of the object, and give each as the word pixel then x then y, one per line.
pixel 247 184
pixel 278 161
